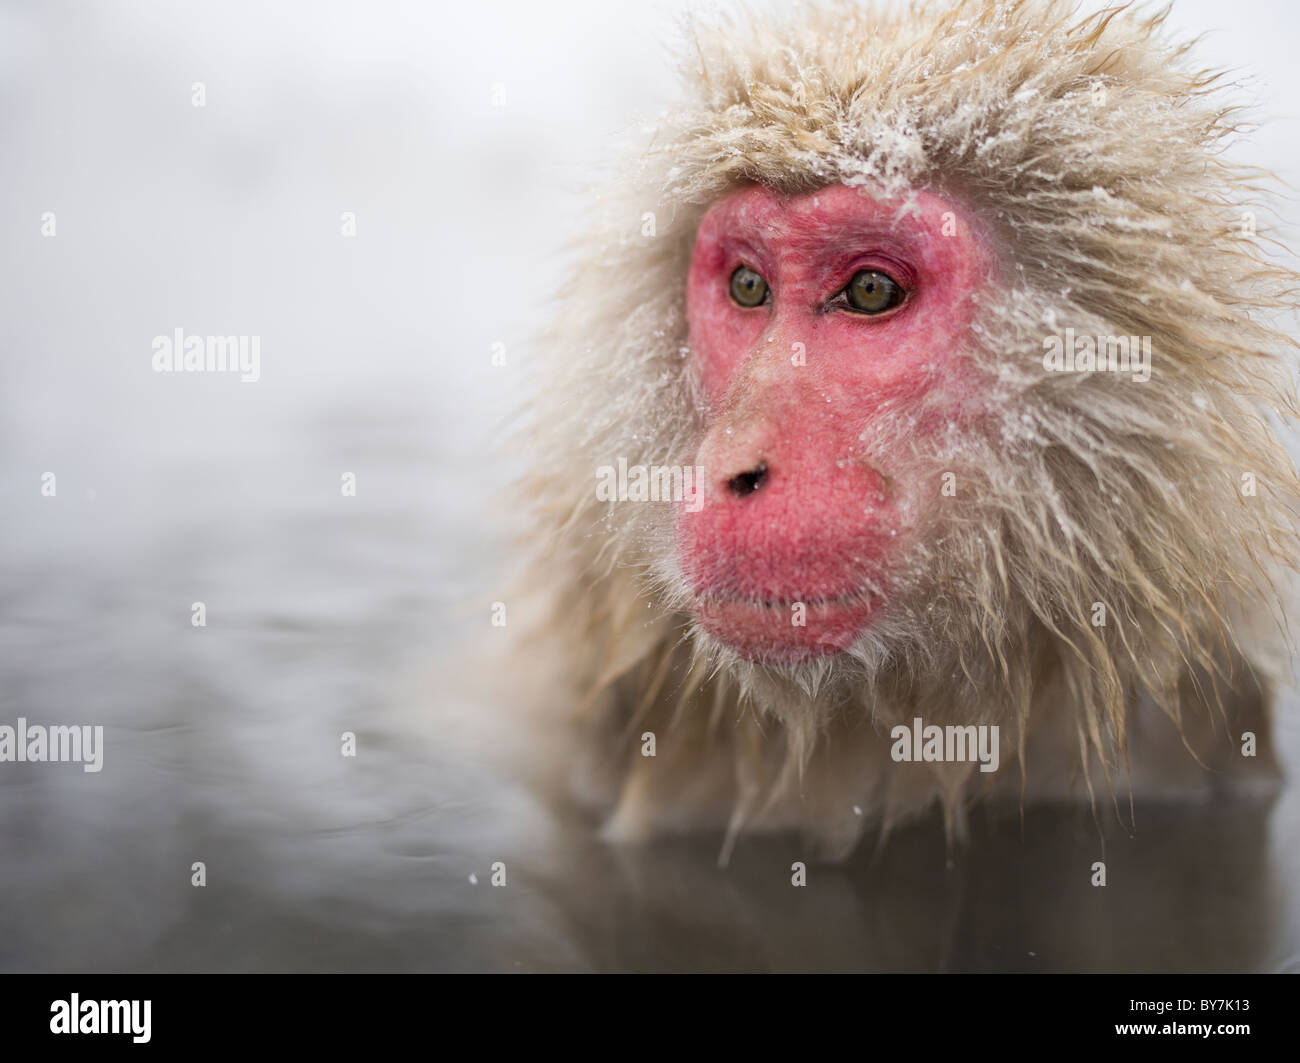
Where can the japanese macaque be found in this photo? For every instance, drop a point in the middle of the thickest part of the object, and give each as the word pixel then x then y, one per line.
pixel 910 433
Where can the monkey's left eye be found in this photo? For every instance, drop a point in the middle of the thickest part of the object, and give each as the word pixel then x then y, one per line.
pixel 748 288
pixel 873 292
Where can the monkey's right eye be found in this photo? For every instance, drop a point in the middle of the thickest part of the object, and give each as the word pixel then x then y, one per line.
pixel 748 289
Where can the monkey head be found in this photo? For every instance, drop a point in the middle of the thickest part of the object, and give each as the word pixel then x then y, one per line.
pixel 847 284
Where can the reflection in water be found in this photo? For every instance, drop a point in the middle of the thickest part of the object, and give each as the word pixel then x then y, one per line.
pixel 1190 893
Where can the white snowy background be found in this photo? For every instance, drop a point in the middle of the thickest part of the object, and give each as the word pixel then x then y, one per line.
pixel 327 613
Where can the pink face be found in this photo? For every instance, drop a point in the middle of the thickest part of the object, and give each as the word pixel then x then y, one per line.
pixel 844 307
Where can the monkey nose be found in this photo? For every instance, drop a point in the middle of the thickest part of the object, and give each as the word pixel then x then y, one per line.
pixel 746 483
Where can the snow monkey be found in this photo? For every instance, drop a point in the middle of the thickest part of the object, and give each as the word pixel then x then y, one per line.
pixel 910 432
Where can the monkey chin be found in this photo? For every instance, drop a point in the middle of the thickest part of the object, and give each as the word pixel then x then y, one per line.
pixel 769 632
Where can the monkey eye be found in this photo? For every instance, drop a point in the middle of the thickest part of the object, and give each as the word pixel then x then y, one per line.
pixel 748 289
pixel 873 292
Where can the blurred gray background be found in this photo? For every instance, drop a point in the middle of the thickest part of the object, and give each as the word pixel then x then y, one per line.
pixel 327 613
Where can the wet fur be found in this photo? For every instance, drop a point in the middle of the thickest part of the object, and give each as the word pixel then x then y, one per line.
pixel 1118 217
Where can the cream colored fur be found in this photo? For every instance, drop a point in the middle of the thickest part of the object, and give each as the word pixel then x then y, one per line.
pixel 1091 149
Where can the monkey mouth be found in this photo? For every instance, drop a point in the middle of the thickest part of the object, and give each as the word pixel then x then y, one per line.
pixel 781 603
pixel 787 629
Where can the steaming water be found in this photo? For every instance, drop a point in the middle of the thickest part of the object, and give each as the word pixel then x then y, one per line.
pixel 223 746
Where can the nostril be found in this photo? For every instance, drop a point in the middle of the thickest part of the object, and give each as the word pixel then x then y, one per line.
pixel 746 483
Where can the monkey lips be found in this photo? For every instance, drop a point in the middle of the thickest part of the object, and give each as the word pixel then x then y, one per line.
pixel 783 632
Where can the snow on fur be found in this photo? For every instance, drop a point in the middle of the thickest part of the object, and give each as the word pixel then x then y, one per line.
pixel 1092 148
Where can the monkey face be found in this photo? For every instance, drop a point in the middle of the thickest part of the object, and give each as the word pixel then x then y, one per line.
pixel 819 324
